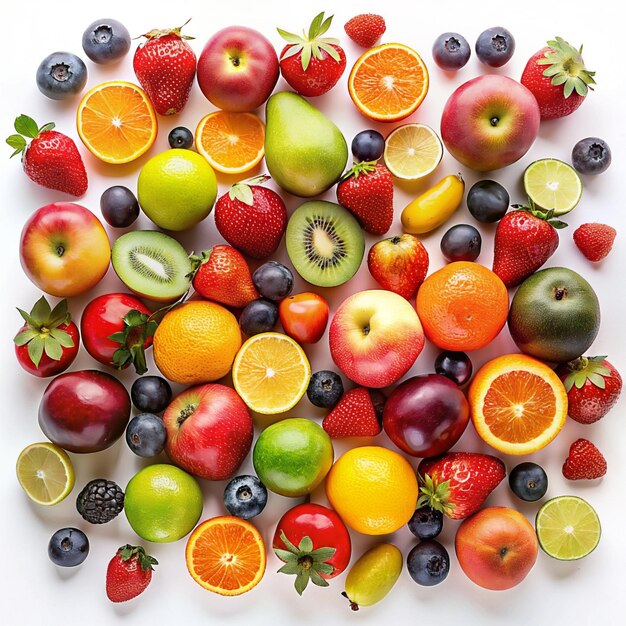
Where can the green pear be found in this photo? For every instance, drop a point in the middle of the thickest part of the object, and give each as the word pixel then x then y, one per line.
pixel 305 152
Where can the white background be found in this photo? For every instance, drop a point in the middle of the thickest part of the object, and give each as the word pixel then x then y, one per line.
pixel 35 591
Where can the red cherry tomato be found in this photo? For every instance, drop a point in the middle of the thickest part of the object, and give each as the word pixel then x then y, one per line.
pixel 304 316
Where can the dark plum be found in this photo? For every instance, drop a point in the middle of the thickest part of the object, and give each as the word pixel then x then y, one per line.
pixel 461 243
pixel 260 316
pixel 368 145
pixel 325 389
pixel 456 366
pixel 119 206
pixel 106 41
pixel 273 280
pixel 495 46
pixel 151 394
pixel 591 155
pixel 488 201
pixel 61 75
pixel 451 51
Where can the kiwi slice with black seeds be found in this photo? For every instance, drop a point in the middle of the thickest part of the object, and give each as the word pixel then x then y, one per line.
pixel 325 243
pixel 152 264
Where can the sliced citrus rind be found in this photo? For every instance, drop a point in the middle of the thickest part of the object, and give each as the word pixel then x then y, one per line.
pixel 412 151
pixel 553 185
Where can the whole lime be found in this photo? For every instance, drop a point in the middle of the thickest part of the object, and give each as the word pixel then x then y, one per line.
pixel 554 315
pixel 162 503
pixel 293 456
pixel 177 189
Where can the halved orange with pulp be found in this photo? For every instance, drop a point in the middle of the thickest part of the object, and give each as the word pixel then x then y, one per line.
pixel 388 82
pixel 226 555
pixel 518 404
pixel 116 121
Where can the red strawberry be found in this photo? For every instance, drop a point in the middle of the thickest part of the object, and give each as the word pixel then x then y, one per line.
pixel 165 66
pixel 458 483
pixel 365 29
pixel 584 461
pixel 358 414
pixel 251 218
pixel 525 239
pixel 593 387
pixel 312 64
pixel 557 77
pixel 222 274
pixel 594 240
pixel 367 191
pixel 129 573
pixel 51 159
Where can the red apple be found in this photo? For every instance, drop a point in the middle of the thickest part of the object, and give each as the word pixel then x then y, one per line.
pixel 375 337
pixel 490 122
pixel 496 547
pixel 304 316
pixel 64 249
pixel 238 69
pixel 209 431
pixel 84 411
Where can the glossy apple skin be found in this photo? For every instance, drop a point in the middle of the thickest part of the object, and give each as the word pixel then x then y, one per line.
pixel 209 431
pixel 426 415
pixel 490 122
pixel 375 337
pixel 238 69
pixel 84 411
pixel 496 547
pixel 64 249
pixel 304 316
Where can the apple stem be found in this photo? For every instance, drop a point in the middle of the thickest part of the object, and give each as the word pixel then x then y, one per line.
pixel 494 121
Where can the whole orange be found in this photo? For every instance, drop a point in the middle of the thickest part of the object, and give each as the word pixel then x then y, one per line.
pixel 196 342
pixel 462 306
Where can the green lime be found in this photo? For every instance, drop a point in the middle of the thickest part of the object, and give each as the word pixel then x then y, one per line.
pixel 552 184
pixel 176 189
pixel 162 503
pixel 293 456
pixel 568 528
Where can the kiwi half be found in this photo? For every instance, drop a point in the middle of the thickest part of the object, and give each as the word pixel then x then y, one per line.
pixel 325 243
pixel 152 264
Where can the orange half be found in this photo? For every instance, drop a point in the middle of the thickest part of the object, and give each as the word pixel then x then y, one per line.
pixel 116 122
pixel 231 142
pixel 519 405
pixel 226 555
pixel 388 82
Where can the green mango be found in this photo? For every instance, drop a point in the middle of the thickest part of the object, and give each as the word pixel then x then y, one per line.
pixel 305 152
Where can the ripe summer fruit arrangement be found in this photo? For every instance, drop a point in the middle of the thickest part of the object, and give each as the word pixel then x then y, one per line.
pixel 225 327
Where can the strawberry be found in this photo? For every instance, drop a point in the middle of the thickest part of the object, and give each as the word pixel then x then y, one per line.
pixel 584 461
pixel 594 240
pixel 367 191
pixel 457 483
pixel 358 413
pixel 593 387
pixel 525 239
pixel 557 77
pixel 222 274
pixel 165 66
pixel 251 218
pixel 51 159
pixel 129 573
pixel 312 64
pixel 365 29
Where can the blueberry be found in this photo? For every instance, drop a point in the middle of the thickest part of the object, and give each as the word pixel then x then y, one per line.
pixel 591 155
pixel 488 201
pixel 61 75
pixel 454 365
pixel 180 137
pixel 68 547
pixel 428 563
pixel 461 243
pixel 426 523
pixel 119 206
pixel 245 496
pixel 146 435
pixel 273 280
pixel 495 46
pixel 368 145
pixel 325 389
pixel 260 316
pixel 151 394
pixel 105 41
pixel 528 481
pixel 451 51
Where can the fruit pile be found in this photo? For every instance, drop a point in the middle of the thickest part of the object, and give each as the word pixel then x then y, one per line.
pixel 229 335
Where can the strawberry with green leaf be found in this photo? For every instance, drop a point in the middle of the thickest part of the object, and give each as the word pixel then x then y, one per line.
pixel 129 573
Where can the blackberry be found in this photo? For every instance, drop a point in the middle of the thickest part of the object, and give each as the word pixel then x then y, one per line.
pixel 100 501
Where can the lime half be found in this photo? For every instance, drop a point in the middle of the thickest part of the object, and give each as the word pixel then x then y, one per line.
pixel 45 473
pixel 412 151
pixel 568 528
pixel 552 184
